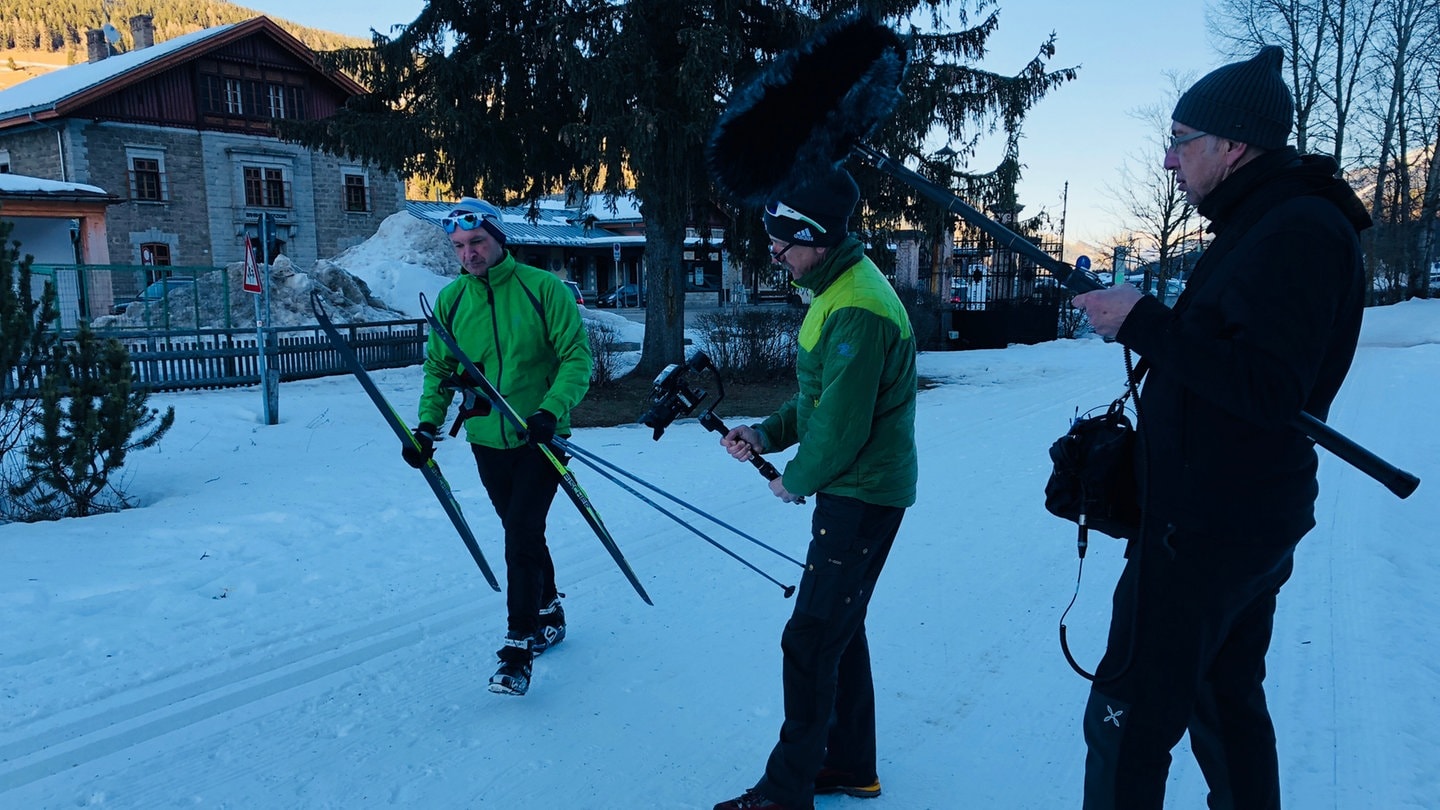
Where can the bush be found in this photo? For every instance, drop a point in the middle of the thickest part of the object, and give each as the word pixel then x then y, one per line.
pixel 27 335
pixel 605 353
pixel 751 343
pixel 1072 320
pixel 923 307
pixel 90 415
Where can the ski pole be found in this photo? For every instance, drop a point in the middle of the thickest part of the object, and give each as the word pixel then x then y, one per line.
pixel 788 590
pixel 591 459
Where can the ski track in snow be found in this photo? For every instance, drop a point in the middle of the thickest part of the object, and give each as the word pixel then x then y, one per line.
pixel 331 644
pixel 166 708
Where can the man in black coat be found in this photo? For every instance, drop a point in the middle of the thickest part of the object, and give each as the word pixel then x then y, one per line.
pixel 1266 328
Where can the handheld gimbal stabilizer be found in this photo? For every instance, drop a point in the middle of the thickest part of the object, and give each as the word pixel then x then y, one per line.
pixel 672 397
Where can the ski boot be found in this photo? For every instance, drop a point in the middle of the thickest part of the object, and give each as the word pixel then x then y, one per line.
pixel 552 627
pixel 513 675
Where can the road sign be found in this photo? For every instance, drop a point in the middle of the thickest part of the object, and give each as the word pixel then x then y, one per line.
pixel 252 270
pixel 615 252
pixel 1082 263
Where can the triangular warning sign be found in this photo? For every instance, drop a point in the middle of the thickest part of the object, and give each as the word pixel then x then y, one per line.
pixel 252 270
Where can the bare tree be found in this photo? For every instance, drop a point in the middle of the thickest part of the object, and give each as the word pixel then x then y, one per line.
pixel 1151 206
pixel 1298 26
pixel 1351 25
pixel 1364 76
pixel 1327 50
pixel 1407 58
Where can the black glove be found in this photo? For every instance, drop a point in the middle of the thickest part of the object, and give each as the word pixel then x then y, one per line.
pixel 414 455
pixel 540 427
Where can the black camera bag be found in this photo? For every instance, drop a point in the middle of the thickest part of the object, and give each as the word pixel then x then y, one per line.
pixel 1093 482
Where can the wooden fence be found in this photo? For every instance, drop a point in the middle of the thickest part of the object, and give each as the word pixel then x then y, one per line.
pixel 226 358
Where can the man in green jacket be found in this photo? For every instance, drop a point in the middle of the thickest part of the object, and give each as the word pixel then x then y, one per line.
pixel 854 422
pixel 521 327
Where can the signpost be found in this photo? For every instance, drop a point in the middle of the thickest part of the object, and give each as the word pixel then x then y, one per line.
pixel 254 282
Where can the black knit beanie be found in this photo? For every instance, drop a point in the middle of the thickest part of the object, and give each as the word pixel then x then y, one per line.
pixel 1243 101
pixel 816 214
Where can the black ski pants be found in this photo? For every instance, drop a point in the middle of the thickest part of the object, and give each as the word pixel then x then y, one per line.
pixel 829 694
pixel 521 483
pixel 1191 626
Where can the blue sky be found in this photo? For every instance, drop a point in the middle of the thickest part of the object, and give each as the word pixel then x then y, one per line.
pixel 1081 134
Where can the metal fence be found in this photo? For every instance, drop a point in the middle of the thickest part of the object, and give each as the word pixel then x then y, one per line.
pixel 141 297
pixel 993 297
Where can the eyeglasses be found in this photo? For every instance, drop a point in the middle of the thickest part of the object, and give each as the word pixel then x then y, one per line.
pixel 1176 141
pixel 780 209
pixel 464 222
pixel 777 258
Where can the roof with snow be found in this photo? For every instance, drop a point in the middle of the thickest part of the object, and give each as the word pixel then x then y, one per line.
pixel 55 94
pixel 23 184
pixel 551 224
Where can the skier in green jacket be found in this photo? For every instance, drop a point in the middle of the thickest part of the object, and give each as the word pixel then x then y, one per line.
pixel 521 327
pixel 854 422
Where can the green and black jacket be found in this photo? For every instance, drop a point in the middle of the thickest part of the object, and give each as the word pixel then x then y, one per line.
pixel 854 417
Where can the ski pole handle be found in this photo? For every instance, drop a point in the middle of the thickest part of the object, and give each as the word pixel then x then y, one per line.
pixel 710 421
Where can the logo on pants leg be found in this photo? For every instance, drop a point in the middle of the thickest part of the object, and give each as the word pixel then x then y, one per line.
pixel 1112 716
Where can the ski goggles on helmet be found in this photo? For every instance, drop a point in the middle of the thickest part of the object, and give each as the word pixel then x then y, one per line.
pixel 464 222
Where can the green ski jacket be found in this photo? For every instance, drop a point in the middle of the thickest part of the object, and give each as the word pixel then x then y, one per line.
pixel 854 416
pixel 521 327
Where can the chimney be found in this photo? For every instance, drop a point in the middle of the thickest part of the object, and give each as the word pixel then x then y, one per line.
pixel 142 30
pixel 96 48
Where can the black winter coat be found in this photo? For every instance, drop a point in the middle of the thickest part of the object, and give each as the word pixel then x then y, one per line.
pixel 1266 327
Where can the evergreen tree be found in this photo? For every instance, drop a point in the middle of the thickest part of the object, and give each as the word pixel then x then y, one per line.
pixel 529 96
pixel 26 336
pixel 90 416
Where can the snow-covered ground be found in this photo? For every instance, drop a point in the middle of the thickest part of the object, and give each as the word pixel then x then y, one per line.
pixel 289 621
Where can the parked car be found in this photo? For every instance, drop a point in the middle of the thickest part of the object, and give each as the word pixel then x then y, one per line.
pixel 155 293
pixel 626 295
pixel 575 291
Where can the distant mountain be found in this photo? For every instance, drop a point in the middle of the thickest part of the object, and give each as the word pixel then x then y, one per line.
pixel 37 36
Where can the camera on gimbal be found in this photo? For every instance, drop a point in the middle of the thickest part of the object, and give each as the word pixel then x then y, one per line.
pixel 672 397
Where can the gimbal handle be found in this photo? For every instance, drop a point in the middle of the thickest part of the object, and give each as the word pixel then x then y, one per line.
pixel 710 421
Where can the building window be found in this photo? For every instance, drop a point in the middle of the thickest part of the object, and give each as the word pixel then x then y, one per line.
pixel 155 254
pixel 4 161
pixel 357 196
pixel 295 104
pixel 265 187
pixel 234 97
pixel 147 179
pixel 276 95
pixel 250 97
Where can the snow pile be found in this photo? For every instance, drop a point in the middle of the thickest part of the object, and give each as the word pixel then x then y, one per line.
pixel 380 279
pixel 406 256
pixel 218 299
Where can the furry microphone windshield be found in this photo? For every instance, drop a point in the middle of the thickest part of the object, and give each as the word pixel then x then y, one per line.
pixel 804 112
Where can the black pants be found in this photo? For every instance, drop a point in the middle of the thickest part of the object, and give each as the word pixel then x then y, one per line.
pixel 521 483
pixel 1194 634
pixel 829 695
